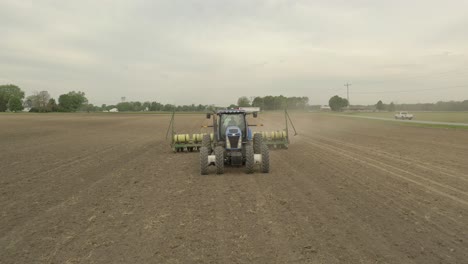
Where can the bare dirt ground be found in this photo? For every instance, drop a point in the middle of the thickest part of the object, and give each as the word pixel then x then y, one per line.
pixel 78 188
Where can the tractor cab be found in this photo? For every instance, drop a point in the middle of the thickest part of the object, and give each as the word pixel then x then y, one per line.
pixel 230 121
pixel 232 128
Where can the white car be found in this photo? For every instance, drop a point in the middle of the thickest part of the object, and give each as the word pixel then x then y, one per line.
pixel 403 116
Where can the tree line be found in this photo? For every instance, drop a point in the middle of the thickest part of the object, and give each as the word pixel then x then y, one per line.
pixel 337 103
pixel 12 98
pixel 154 106
pixel 274 102
pixel 439 106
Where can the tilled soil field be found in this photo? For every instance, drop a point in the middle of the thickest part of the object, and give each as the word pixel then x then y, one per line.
pixel 106 188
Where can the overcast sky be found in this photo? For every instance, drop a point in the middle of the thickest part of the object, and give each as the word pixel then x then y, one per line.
pixel 213 51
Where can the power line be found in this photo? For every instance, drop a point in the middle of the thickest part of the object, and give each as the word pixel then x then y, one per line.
pixel 397 78
pixel 413 90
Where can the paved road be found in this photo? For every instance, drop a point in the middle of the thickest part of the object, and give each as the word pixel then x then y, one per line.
pixel 409 121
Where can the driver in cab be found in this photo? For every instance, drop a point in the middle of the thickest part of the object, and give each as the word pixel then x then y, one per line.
pixel 231 121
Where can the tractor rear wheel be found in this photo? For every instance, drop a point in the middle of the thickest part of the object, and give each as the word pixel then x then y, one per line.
pixel 249 159
pixel 258 142
pixel 206 142
pixel 203 161
pixel 219 154
pixel 265 159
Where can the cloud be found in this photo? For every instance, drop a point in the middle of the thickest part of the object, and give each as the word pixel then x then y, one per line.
pixel 190 51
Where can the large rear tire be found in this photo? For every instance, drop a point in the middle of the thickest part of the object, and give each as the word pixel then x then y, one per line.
pixel 265 159
pixel 206 142
pixel 258 142
pixel 249 159
pixel 203 161
pixel 219 154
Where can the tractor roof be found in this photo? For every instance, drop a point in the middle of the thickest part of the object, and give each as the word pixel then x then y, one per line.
pixel 231 111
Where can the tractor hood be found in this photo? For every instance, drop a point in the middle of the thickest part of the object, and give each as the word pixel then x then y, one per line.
pixel 233 137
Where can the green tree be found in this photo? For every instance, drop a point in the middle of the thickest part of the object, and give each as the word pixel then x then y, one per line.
pixel 39 101
pixel 72 101
pixel 146 106
pixel 8 92
pixel 258 102
pixel 269 102
pixel 380 106
pixel 337 103
pixel 125 106
pixel 52 105
pixel 88 108
pixel 169 107
pixel 155 106
pixel 136 106
pixel 243 101
pixel 280 102
pixel 15 104
pixel 391 107
pixel 109 107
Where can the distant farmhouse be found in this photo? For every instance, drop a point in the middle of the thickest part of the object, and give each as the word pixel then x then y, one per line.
pixel 325 108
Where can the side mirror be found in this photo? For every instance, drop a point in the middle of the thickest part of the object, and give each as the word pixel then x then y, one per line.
pixel 208 116
pixel 255 114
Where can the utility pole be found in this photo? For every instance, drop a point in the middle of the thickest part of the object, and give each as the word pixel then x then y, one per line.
pixel 347 92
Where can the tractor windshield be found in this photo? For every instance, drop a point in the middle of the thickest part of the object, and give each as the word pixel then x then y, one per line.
pixel 228 120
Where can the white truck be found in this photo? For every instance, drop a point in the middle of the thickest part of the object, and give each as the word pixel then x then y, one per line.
pixel 403 116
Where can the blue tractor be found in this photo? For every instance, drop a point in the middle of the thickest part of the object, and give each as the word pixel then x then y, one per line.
pixel 233 144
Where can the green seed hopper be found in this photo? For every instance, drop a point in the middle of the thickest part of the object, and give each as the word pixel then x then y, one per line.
pixel 279 138
pixel 184 142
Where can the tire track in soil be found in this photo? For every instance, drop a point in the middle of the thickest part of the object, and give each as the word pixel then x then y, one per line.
pixel 322 220
pixel 447 150
pixel 84 156
pixel 455 193
pixel 63 173
pixel 293 235
pixel 244 227
pixel 354 159
pixel 391 186
pixel 72 178
pixel 55 222
pixel 270 231
pixel 36 146
pixel 411 161
pixel 146 210
pixel 455 237
pixel 188 227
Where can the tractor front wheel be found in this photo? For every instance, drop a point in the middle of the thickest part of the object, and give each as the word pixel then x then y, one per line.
pixel 219 154
pixel 258 142
pixel 249 159
pixel 206 142
pixel 265 159
pixel 203 161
